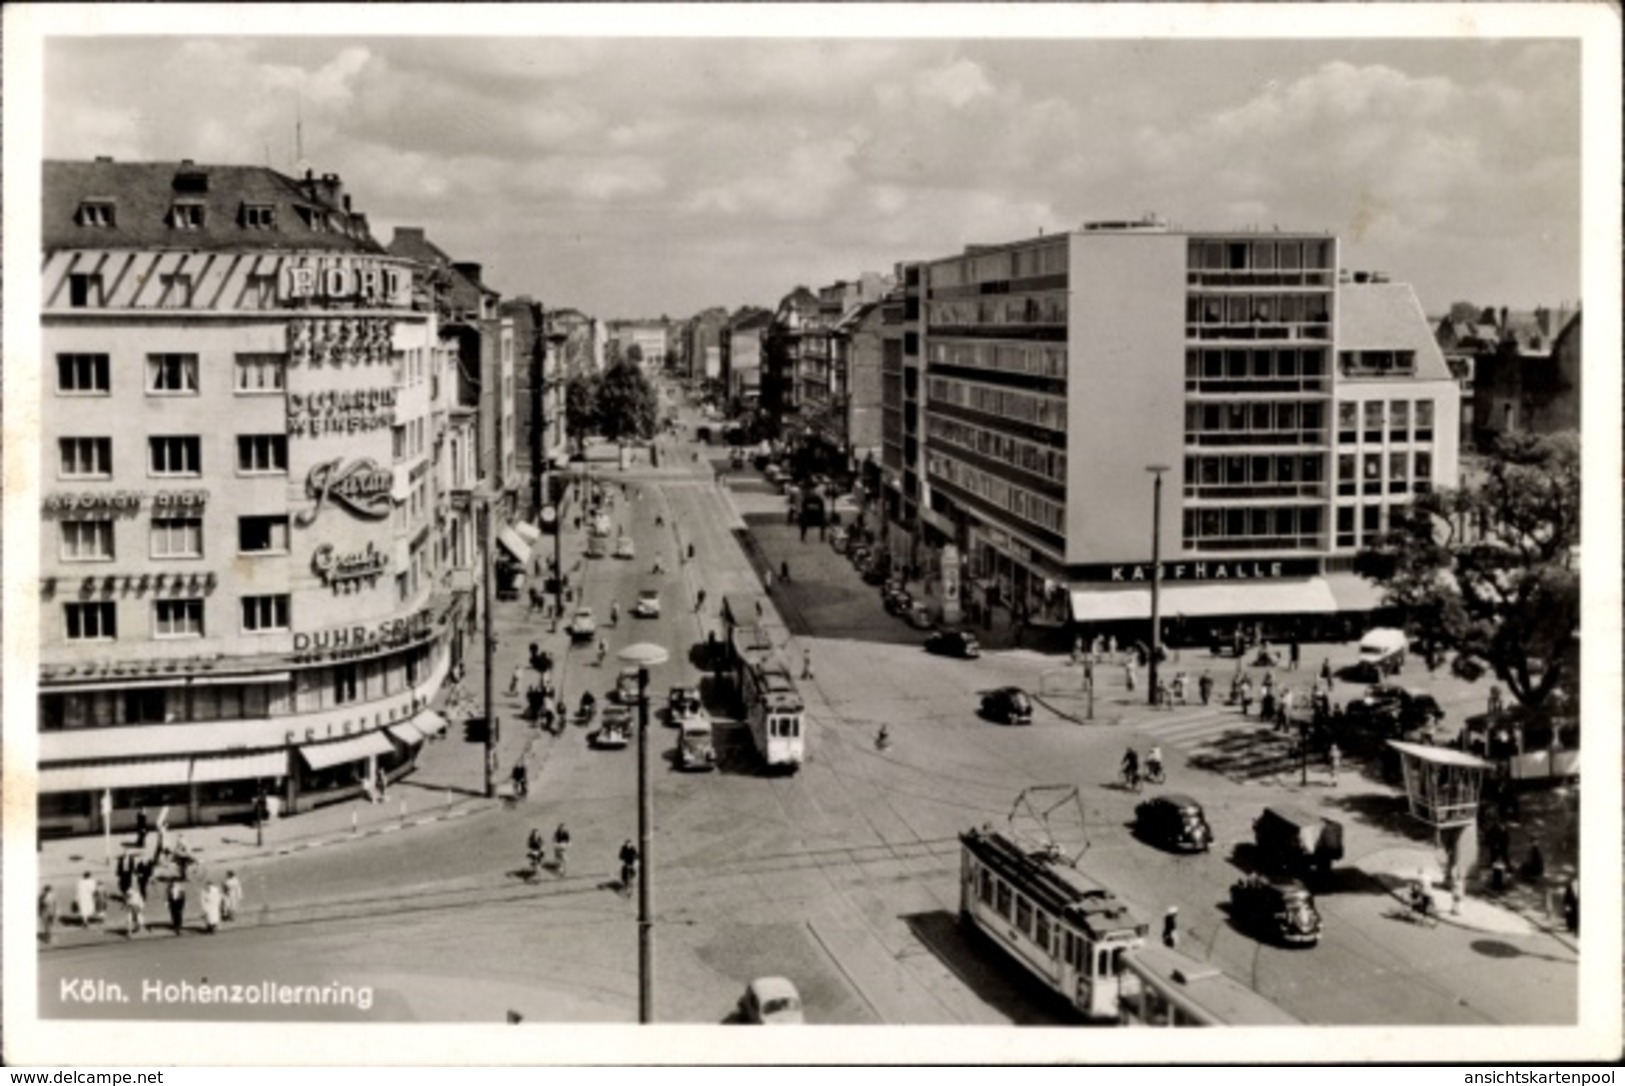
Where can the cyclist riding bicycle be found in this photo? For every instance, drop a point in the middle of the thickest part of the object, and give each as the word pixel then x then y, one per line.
pixel 561 844
pixel 1131 768
pixel 1153 764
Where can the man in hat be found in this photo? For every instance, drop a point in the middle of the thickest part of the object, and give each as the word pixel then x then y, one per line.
pixel 1170 927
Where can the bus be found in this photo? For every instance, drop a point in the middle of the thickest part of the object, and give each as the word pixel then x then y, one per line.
pixel 770 702
pixel 1067 930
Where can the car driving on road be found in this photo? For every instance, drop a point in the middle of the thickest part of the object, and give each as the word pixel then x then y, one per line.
pixel 1280 910
pixel 583 627
pixel 1393 710
pixel 771 1001
pixel 1173 821
pixel 954 643
pixel 1008 705
pixel 625 548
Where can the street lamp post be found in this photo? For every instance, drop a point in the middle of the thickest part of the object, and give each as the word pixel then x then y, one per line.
pixel 489 607
pixel 1156 578
pixel 643 656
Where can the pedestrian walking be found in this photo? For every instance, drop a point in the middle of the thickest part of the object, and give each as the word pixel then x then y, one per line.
pixel 135 907
pixel 1205 686
pixel 1287 698
pixel 603 650
pixel 1128 675
pixel 1164 696
pixel 1334 761
pixel 699 601
pixel 84 898
pixel 1111 647
pixel 629 864
pixel 143 876
pixel 561 847
pixel 1245 693
pixel 211 907
pixel 177 905
pixel 231 900
pixel 1326 673
pixel 1170 928
pixel 47 913
pixel 784 572
pixel 518 677
pixel 1077 651
pixel 806 664
pixel 142 828
pixel 1293 654
pixel 124 873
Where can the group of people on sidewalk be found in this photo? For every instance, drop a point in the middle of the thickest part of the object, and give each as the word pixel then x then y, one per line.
pixel 134 873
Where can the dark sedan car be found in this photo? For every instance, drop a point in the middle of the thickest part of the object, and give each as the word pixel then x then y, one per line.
pixel 1282 910
pixel 1008 705
pixel 1393 710
pixel 954 643
pixel 1173 821
pixel 897 601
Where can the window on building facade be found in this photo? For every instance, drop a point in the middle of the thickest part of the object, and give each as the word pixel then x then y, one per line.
pixel 174 456
pixel 98 213
pixel 94 621
pixel 1345 526
pixel 398 435
pixel 85 457
pixel 172 374
pixel 85 291
pixel 1397 476
pixel 1370 522
pixel 175 291
pixel 262 534
pixel 146 706
pixel 1424 420
pixel 1348 423
pixel 187 215
pixel 1371 473
pixel 1423 473
pixel 264 614
pixel 177 537
pixel 177 618
pixel 83 374
pixel 262 454
pixel 256 372
pixel 346 684
pixel 1399 420
pixel 86 541
pixel 259 216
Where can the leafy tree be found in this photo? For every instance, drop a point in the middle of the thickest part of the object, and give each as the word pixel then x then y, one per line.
pixel 1491 571
pixel 581 406
pixel 1464 312
pixel 626 403
pixel 634 354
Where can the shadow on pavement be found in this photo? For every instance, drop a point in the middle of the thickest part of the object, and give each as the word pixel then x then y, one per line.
pixel 1384 811
pixel 987 972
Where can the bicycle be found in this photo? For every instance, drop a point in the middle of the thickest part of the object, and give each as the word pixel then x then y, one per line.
pixel 1154 774
pixel 1131 778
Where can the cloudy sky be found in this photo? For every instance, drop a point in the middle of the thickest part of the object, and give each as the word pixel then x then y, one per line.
pixel 648 176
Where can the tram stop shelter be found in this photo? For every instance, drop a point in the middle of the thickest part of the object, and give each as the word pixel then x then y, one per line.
pixel 1441 784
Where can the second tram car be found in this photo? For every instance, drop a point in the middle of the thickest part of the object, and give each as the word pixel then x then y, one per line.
pixel 1065 929
pixel 772 704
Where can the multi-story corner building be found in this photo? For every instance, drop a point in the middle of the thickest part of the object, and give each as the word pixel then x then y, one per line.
pixel 795 343
pixel 650 337
pixel 744 347
pixel 704 344
pixel 583 349
pixel 850 426
pixel 239 566
pixel 1061 370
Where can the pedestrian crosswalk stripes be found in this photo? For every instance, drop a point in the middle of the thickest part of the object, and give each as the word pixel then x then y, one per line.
pixel 1219 739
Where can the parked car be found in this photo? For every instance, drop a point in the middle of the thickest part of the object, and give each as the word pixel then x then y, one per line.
pixel 694 748
pixel 615 731
pixel 954 643
pixel 1008 705
pixel 920 616
pixel 897 601
pixel 648 605
pixel 597 546
pixel 583 627
pixel 1293 841
pixel 625 548
pixel 1280 910
pixel 626 686
pixel 1382 653
pixel 874 573
pixel 681 701
pixel 771 1001
pixel 1393 710
pixel 1175 821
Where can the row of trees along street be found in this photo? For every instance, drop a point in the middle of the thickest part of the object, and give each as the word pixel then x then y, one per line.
pixel 619 405
pixel 1490 572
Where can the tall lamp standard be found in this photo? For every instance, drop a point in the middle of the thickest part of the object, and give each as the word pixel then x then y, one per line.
pixel 1156 578
pixel 643 656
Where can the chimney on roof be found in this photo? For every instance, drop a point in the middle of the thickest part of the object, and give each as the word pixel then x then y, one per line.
pixel 187 162
pixel 1503 318
pixel 104 158
pixel 346 201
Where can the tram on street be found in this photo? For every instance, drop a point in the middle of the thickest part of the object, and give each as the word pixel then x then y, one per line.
pixel 771 702
pixel 1070 932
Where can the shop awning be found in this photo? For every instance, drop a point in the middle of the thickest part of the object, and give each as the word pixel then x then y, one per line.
pixel 1353 592
pixel 322 755
pixel 236 767
pixel 513 544
pixel 407 733
pixel 94 778
pixel 1310 597
pixel 429 722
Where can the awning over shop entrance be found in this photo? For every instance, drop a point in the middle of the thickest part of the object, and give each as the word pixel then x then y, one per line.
pixel 1310 597
pixel 88 778
pixel 407 733
pixel 323 755
pixel 513 544
pixel 429 722
pixel 1353 592
pixel 238 767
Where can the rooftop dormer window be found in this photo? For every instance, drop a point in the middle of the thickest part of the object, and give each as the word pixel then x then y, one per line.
pixel 97 212
pixel 186 215
pixel 313 217
pixel 259 216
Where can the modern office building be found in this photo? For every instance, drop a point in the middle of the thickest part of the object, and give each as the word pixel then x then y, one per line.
pixel 1066 374
pixel 240 587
